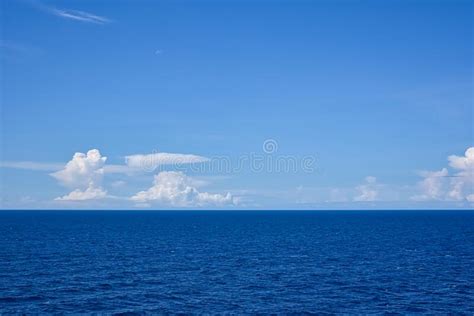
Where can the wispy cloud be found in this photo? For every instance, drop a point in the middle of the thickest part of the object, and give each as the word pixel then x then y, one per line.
pixel 149 162
pixel 76 15
pixel 139 163
pixel 31 165
pixel 80 16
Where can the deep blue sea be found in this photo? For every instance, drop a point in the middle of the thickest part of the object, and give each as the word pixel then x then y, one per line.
pixel 237 262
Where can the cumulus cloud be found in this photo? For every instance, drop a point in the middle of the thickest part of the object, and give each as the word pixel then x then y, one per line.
pixel 176 189
pixel 82 170
pixel 463 163
pixel 84 174
pixel 432 186
pixel 439 185
pixel 462 184
pixel 367 191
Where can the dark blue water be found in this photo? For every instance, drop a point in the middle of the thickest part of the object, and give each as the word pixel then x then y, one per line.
pixel 237 262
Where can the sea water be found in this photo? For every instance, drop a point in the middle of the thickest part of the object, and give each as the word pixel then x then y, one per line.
pixel 236 262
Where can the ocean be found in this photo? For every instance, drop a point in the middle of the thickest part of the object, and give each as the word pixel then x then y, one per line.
pixel 228 262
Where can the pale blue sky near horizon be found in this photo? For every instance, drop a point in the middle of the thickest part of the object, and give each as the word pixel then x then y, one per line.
pixel 370 89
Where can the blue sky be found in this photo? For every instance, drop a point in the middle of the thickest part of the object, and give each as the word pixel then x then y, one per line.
pixel 376 96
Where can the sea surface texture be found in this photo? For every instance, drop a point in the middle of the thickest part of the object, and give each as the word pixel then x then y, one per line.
pixel 237 262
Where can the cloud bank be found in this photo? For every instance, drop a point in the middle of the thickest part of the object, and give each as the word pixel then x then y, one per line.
pixel 84 175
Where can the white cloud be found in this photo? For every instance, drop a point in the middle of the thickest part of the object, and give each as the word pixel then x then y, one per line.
pixel 435 185
pixel 79 16
pixel 176 189
pixel 134 163
pixel 470 198
pixel 82 170
pixel 84 174
pixel 370 179
pixel 457 188
pixel 463 163
pixel 150 162
pixel 367 191
pixel 432 186
pixel 76 15
pixel 462 184
pixel 90 193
